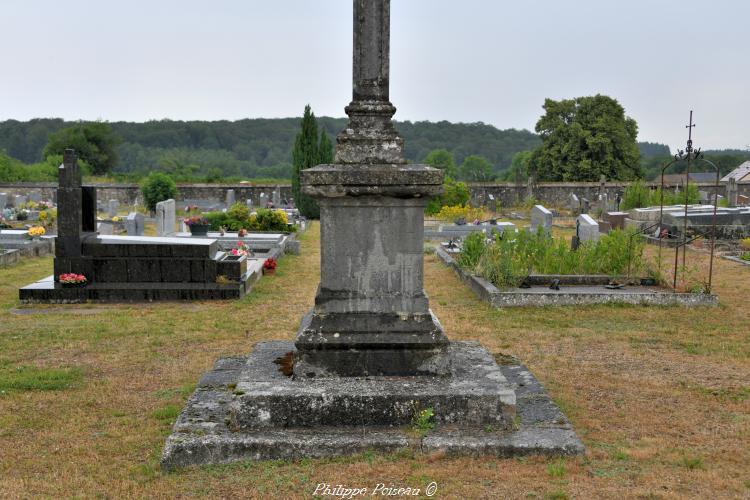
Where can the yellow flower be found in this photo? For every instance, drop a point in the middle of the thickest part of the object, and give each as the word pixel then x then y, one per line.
pixel 116 219
pixel 36 231
pixel 282 215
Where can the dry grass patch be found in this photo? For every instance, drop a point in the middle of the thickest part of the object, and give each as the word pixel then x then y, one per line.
pixel 659 395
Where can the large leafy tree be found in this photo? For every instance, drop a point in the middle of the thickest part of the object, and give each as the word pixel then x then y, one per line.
pixel 476 169
pixel 306 154
pixel 442 159
pixel 585 138
pixel 93 142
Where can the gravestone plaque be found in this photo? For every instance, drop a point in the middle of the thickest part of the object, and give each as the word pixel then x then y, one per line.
pixel 541 218
pixel 587 228
pixel 134 224
pixel 166 220
pixel 230 200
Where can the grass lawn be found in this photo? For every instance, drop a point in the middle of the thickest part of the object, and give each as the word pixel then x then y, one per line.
pixel 660 396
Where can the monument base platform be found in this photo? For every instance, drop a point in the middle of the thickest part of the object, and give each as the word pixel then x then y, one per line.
pixel 250 408
pixel 47 291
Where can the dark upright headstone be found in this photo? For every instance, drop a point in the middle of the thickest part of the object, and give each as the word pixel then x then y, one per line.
pixel 69 209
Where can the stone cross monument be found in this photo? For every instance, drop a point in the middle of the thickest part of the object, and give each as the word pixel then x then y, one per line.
pixel 371 315
pixel 370 357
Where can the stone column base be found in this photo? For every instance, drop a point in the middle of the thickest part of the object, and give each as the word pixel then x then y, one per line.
pixel 370 344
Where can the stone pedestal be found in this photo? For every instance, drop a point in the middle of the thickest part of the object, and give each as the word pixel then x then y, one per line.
pixel 371 315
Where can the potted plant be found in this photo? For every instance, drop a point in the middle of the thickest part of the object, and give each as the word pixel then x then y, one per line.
pixel 269 266
pixel 198 225
pixel 72 280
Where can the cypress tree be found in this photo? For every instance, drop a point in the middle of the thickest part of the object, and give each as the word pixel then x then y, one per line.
pixel 305 155
pixel 325 150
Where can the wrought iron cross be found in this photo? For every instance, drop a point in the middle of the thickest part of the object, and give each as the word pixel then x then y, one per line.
pixel 689 153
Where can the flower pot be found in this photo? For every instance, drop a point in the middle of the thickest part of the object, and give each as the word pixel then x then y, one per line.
pixel 199 229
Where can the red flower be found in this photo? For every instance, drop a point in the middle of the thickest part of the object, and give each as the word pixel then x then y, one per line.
pixel 270 264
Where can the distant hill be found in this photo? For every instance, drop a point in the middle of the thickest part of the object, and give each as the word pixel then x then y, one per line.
pixel 649 149
pixel 259 147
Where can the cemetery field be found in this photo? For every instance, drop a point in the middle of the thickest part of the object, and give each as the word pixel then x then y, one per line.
pixel 659 395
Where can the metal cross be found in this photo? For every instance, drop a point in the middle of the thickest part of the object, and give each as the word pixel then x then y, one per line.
pixel 689 153
pixel 690 134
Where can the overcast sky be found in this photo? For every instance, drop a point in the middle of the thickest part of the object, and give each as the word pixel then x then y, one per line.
pixel 459 60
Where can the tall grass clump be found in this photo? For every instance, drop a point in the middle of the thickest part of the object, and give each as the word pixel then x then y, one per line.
pixel 507 260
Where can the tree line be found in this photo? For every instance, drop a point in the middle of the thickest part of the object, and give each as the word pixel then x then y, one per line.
pixel 577 139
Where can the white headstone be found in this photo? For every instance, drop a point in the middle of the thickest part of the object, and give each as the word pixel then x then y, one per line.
pixel 588 228
pixel 575 203
pixel 166 218
pixel 541 217
pixel 134 224
pixel 112 207
pixel 249 203
pixel 230 198
pixel 276 197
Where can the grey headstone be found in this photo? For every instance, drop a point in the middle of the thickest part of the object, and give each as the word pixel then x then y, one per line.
pixel 112 207
pixel 135 224
pixel 166 218
pixel 587 228
pixel 105 229
pixel 35 196
pixel 230 198
pixel 541 217
pixel 19 200
pixel 703 196
pixel 3 200
pixel 585 205
pixel 276 197
pixel 263 200
pixel 732 192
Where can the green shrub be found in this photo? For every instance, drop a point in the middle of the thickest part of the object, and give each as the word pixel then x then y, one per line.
pixel 473 247
pixel 238 217
pixel 454 193
pixel 637 195
pixel 157 187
